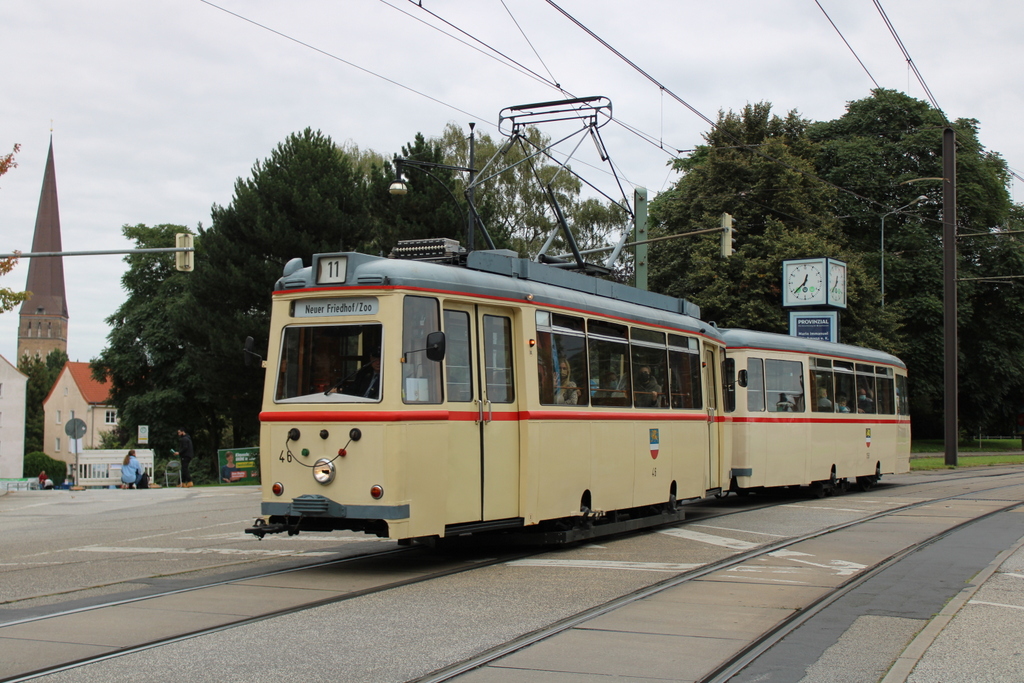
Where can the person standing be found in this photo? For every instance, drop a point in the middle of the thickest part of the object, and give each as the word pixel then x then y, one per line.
pixel 185 454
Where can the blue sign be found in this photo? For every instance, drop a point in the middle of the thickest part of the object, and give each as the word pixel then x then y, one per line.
pixel 820 325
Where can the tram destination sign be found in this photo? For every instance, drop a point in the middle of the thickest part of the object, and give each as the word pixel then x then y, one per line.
pixel 319 308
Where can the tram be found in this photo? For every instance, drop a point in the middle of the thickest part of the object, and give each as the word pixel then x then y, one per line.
pixel 439 393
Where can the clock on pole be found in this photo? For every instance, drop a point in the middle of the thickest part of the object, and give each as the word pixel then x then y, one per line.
pixel 813 282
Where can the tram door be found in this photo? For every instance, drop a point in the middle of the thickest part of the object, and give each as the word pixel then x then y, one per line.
pixel 485 441
pixel 713 393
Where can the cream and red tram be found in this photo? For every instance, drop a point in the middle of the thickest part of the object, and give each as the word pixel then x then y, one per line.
pixel 510 394
pixel 812 412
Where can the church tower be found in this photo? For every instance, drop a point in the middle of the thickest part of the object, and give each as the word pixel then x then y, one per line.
pixel 43 324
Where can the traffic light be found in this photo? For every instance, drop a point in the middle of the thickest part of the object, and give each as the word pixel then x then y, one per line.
pixel 183 259
pixel 728 236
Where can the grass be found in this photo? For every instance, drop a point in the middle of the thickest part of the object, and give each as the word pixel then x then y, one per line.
pixel 974 446
pixel 996 452
pixel 939 463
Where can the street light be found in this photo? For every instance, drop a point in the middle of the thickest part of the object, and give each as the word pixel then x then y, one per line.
pixel 398 187
pixel 882 241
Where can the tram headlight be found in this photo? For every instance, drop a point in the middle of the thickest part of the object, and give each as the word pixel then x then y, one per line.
pixel 324 471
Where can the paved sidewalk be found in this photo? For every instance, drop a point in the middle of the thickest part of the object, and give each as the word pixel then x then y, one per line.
pixel 977 637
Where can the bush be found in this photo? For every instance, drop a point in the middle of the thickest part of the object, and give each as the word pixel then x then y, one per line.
pixel 37 462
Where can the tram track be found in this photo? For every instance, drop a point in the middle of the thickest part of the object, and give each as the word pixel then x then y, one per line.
pixel 733 665
pixel 392 557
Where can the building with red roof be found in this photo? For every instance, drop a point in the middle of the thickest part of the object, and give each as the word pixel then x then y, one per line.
pixel 76 395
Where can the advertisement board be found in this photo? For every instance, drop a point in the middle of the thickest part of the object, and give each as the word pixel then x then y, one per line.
pixel 239 465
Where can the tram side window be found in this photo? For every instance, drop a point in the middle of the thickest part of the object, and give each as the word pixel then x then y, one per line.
pixel 866 389
pixel 846 388
pixel 755 385
pixel 784 385
pixel 458 356
pixel 650 368
pixel 821 386
pixel 902 403
pixel 608 348
pixel 421 377
pixel 328 360
pixel 562 360
pixel 884 402
pixel 498 359
pixel 684 372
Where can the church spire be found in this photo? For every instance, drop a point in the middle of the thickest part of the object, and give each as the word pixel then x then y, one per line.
pixel 44 315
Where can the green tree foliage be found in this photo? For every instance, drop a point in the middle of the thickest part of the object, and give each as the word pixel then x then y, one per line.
pixel 37 461
pixel 8 297
pixel 42 373
pixel 154 374
pixel 888 147
pixel 759 168
pixel 763 169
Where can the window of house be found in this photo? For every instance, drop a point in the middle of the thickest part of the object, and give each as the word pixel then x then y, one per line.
pixel 57 441
pixel 58 417
pixel 111 417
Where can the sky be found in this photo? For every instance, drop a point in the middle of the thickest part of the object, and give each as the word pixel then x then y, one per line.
pixel 157 108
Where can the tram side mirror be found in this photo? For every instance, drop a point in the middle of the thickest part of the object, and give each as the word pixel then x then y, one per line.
pixel 742 379
pixel 435 347
pixel 250 355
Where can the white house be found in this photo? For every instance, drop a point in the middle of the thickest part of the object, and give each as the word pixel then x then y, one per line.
pixel 13 383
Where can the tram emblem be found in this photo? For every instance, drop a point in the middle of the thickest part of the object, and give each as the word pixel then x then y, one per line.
pixel 867 436
pixel 654 443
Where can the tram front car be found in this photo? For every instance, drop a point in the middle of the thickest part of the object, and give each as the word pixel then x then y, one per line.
pixel 351 362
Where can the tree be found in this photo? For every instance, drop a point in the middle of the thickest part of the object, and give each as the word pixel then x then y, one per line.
pixel 154 375
pixel 888 147
pixel 8 297
pixel 759 168
pixel 42 373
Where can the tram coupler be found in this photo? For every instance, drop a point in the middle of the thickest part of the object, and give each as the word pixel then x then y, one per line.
pixel 260 528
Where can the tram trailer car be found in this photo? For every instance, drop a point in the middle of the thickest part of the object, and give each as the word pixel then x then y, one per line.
pixel 510 394
pixel 813 412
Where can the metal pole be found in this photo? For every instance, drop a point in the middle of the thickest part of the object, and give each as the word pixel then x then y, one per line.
pixel 471 218
pixel 949 304
pixel 882 249
pixel 640 221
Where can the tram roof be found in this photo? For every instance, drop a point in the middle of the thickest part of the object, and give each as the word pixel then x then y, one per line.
pixel 751 339
pixel 502 274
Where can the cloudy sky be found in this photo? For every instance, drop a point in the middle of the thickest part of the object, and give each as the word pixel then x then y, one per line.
pixel 157 107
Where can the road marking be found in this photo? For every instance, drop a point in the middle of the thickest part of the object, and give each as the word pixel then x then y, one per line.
pixel 993 604
pixel 200 551
pixel 816 507
pixel 733 543
pixel 739 531
pixel 608 564
pixel 788 553
pixel 1016 576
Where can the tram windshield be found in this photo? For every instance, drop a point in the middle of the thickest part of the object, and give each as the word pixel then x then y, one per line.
pixel 330 364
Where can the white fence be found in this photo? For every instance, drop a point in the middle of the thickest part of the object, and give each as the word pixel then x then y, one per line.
pixel 103 468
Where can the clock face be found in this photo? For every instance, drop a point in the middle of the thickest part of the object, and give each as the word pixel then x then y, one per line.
pixel 837 283
pixel 805 284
